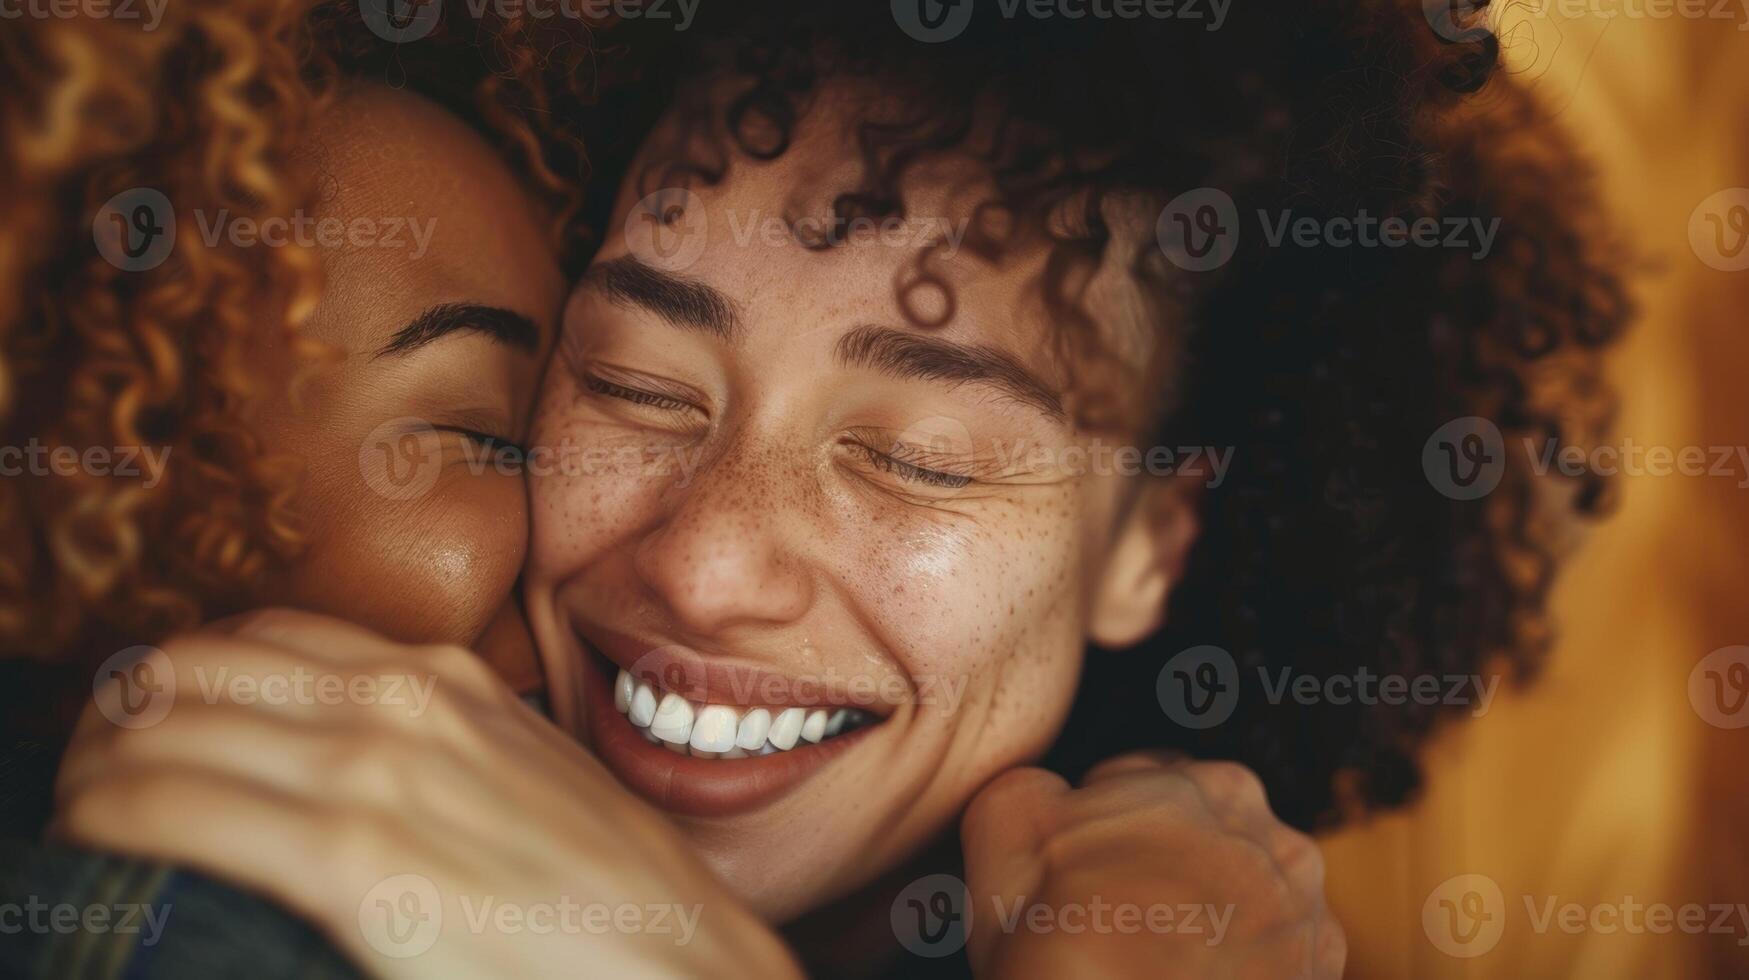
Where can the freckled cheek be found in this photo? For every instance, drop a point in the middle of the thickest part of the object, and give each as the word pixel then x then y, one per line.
pixel 984 608
pixel 592 488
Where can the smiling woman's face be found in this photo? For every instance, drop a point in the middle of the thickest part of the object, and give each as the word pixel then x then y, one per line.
pixel 440 296
pixel 763 490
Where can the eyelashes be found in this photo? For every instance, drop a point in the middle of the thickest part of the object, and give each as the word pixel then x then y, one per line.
pixel 495 445
pixel 885 461
pixel 911 472
pixel 637 396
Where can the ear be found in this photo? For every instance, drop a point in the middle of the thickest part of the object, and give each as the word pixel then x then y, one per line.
pixel 1147 556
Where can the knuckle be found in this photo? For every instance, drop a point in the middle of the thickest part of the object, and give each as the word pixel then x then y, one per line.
pixel 82 812
pixel 1229 783
pixel 1126 763
pixel 1299 856
pixel 1330 949
pixel 118 807
pixel 375 766
pixel 997 800
pixel 353 843
pixel 1262 895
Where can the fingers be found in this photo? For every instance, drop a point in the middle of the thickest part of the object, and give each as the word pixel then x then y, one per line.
pixel 1329 955
pixel 1236 797
pixel 345 647
pixel 1003 821
pixel 264 841
pixel 1000 836
pixel 1153 760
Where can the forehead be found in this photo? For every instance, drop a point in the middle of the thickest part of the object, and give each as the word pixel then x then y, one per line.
pixel 774 234
pixel 412 209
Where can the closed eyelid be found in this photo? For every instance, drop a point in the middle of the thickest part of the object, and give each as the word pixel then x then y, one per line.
pixel 589 373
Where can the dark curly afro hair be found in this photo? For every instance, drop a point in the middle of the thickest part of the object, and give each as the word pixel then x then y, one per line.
pixel 1324 369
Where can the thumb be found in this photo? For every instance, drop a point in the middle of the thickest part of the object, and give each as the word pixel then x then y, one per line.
pixel 1001 834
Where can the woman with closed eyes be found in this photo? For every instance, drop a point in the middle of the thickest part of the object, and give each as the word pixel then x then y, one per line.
pixel 333 354
pixel 828 551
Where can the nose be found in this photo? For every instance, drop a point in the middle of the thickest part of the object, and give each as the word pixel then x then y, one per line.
pixel 722 556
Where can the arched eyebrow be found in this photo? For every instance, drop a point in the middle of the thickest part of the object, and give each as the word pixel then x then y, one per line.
pixel 909 355
pixel 682 301
pixel 509 328
pixel 693 305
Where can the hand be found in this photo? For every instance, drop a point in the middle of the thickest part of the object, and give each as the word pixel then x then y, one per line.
pixel 1152 868
pixel 530 860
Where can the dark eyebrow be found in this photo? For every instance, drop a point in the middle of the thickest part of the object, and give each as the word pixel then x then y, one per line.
pixel 908 355
pixel 504 326
pixel 681 301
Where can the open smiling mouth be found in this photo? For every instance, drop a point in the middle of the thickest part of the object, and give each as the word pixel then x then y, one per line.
pixel 721 731
pixel 709 756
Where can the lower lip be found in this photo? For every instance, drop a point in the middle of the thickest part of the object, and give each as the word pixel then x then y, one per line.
pixel 689 786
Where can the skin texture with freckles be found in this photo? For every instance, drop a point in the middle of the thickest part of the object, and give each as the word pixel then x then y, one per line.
pixel 780 526
pixel 439 565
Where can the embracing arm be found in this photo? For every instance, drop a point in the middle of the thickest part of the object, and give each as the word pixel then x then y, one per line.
pixel 447 832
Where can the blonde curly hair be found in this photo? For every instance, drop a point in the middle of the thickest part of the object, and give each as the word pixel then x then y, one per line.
pixel 205 107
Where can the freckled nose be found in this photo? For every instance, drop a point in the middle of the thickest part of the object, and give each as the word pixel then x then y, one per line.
pixel 721 557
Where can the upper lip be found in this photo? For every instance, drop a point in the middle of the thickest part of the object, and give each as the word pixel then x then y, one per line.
pixel 709 679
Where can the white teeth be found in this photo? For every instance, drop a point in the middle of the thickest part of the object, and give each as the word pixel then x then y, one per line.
pixel 623 687
pixel 751 734
pixel 787 727
pixel 720 731
pixel 714 730
pixel 673 721
pixel 643 705
pixel 814 728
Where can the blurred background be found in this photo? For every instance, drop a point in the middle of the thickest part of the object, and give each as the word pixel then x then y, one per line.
pixel 1551 836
